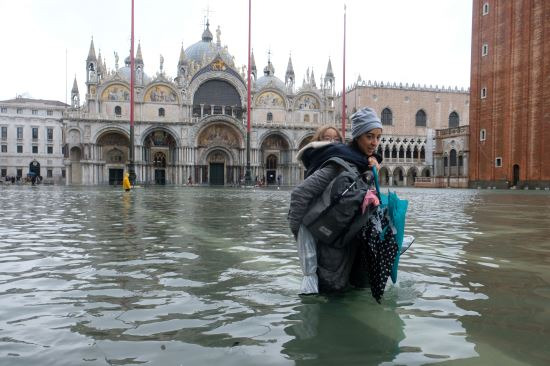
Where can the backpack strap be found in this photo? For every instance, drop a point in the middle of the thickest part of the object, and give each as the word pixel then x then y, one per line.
pixel 344 164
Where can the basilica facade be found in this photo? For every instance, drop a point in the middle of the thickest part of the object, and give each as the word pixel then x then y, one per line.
pixel 192 128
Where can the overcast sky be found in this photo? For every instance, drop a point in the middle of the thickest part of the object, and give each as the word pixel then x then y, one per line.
pixel 408 41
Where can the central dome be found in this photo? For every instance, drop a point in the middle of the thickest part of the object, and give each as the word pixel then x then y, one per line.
pixel 205 51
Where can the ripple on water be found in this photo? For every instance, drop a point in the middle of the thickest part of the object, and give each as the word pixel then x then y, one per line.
pixel 89 275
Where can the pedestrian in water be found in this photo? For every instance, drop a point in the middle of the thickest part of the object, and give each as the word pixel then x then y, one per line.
pixel 126 182
pixel 337 268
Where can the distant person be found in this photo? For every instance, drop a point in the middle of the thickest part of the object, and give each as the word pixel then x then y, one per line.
pixel 126 182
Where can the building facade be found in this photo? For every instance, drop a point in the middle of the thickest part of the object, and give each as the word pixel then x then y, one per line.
pixel 31 139
pixel 192 128
pixel 510 94
pixel 414 118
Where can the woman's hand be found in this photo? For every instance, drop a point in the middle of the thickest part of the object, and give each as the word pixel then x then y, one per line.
pixel 373 162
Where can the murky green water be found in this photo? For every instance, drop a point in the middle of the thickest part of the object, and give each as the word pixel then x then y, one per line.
pixel 197 276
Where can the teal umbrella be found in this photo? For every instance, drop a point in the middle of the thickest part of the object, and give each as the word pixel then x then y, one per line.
pixel 396 210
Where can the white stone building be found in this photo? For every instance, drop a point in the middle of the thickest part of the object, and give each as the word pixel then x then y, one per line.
pixel 416 118
pixel 31 139
pixel 193 126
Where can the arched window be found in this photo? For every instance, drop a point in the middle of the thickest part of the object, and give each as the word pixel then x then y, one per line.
pixel 271 162
pixel 482 134
pixel 452 157
pixel 269 117
pixel 118 111
pixel 401 152
pixel 306 117
pixel 422 153
pixel 387 152
pixel 445 162
pixel 415 152
pixel 421 118
pixel 453 120
pixel 379 150
pixel 408 153
pixel 387 117
pixel 394 152
pixel 161 112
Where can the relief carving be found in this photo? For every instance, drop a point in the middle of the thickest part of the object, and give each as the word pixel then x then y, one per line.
pixel 218 135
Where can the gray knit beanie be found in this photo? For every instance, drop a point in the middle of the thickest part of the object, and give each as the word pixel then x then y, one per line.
pixel 363 121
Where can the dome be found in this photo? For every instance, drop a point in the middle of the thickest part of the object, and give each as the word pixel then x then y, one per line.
pixel 200 50
pixel 269 81
pixel 205 49
pixel 124 73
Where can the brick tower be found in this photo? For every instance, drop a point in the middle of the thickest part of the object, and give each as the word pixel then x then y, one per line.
pixel 510 94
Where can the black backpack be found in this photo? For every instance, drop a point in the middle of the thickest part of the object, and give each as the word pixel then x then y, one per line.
pixel 335 217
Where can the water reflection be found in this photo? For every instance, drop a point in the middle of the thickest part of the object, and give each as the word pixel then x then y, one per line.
pixel 180 275
pixel 344 330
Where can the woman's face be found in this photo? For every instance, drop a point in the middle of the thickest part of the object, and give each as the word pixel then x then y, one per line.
pixel 330 135
pixel 368 142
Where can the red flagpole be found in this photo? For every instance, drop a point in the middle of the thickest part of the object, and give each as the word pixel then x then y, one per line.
pixel 248 175
pixel 344 82
pixel 131 168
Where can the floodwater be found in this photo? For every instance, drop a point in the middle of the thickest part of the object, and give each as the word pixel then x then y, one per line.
pixel 204 276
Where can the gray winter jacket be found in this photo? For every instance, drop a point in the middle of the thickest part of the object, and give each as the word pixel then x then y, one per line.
pixel 305 193
pixel 336 267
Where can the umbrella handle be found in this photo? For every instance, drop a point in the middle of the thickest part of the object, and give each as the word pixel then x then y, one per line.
pixel 375 172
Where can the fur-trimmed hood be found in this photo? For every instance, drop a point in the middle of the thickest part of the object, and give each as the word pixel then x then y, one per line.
pixel 312 145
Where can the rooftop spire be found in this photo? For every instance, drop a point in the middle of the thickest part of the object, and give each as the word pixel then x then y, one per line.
pixel 75 86
pixel 252 62
pixel 290 68
pixel 99 62
pixel 329 72
pixel 269 69
pixel 207 35
pixel 139 57
pixel 91 53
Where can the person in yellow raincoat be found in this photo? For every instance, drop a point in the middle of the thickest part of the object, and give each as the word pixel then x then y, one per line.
pixel 126 182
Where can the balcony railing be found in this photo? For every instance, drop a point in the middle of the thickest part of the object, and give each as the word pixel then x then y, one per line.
pixel 462 130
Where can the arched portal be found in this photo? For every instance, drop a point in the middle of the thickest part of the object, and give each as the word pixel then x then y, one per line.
pixel 384 176
pixel 217 165
pixel 76 172
pixel 275 152
pixel 159 153
pixel 398 176
pixel 411 176
pixel 114 147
